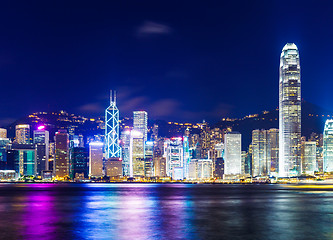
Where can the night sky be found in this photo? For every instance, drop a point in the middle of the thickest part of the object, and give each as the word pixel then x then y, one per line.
pixel 179 60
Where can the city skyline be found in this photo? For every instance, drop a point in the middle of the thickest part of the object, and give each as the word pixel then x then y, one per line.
pixel 178 69
pixel 166 119
pixel 137 153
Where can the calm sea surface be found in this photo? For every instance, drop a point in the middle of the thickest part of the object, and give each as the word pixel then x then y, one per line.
pixel 164 211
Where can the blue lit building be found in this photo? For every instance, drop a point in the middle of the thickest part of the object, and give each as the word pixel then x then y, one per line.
pixel 113 149
pixel 24 159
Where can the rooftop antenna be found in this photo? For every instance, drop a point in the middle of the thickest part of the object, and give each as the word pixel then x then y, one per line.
pixel 112 96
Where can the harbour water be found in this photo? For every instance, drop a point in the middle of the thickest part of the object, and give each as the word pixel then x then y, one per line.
pixel 164 211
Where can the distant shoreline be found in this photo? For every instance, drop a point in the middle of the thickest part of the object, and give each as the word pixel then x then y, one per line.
pixel 322 183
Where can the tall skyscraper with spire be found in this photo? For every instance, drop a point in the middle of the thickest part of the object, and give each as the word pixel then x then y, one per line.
pixel 289 112
pixel 113 149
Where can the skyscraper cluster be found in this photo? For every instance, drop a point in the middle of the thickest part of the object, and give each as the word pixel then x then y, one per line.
pixel 204 153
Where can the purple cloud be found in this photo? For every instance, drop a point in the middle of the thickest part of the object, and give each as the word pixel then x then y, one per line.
pixel 153 28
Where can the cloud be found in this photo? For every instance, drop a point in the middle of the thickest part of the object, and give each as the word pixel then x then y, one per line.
pixel 91 108
pixel 165 107
pixel 149 28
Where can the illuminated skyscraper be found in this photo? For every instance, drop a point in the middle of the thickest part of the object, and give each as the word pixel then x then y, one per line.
pixel 205 169
pixel 3 133
pixel 273 151
pixel 308 156
pixel 125 145
pixel 113 167
pixel 41 141
pixel 22 134
pixel 137 154
pixel 96 159
pixel 25 159
pixel 149 154
pixel 289 111
pixel 61 154
pixel 328 147
pixel 260 157
pixel 173 152
pixel 232 153
pixel 113 149
pixel 140 122
pixel 79 162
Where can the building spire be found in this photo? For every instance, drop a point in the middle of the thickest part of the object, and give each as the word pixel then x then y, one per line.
pixel 112 97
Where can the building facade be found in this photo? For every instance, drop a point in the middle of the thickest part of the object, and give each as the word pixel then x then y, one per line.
pixel 174 155
pixel 22 134
pixel 112 146
pixel 61 154
pixel 96 159
pixel 328 146
pixel 308 157
pixel 232 153
pixel 41 141
pixel 289 111
pixel 140 123
pixel 260 154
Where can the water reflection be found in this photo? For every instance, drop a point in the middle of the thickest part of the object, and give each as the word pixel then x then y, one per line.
pixel 163 211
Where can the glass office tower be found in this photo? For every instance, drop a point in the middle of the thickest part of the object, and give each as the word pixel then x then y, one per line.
pixel 289 112
pixel 328 146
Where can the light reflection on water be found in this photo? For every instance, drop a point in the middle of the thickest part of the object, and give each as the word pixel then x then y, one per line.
pixel 164 211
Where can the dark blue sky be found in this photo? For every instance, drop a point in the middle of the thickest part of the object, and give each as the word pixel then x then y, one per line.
pixel 179 60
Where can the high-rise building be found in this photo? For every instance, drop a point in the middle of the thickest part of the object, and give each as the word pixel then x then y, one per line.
pixel 219 168
pixel 154 135
pixel 328 146
pixel 140 122
pixel 113 167
pixel 173 152
pixel 205 169
pixel 125 145
pixel 308 157
pixel 260 157
pixel 318 138
pixel 160 166
pixel 96 159
pixel 137 154
pixel 113 149
pixel 192 169
pixel 41 141
pixel 186 150
pixel 3 133
pixel 51 156
pixel 273 151
pixel 149 154
pixel 232 153
pixel 61 154
pixel 4 163
pixel 22 135
pixel 289 111
pixel 79 162
pixel 25 162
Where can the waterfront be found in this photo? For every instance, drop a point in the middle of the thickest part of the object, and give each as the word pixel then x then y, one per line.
pixel 164 211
